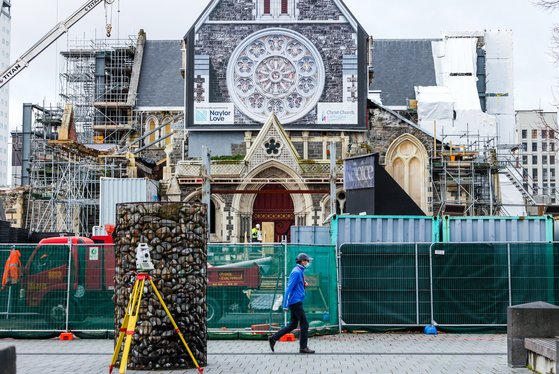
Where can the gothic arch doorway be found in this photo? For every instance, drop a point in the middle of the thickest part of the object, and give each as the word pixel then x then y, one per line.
pixel 274 205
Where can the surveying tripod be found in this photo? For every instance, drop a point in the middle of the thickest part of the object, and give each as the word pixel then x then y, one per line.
pixel 131 317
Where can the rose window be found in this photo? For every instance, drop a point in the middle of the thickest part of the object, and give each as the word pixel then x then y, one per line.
pixel 275 71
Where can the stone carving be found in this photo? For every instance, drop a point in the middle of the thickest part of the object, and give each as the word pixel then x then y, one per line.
pixel 276 70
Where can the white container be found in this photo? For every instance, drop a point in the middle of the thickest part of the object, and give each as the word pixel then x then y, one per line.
pixel 124 190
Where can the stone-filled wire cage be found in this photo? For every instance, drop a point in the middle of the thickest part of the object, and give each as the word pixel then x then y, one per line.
pixel 176 234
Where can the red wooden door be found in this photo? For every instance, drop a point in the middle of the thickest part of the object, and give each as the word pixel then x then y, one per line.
pixel 275 206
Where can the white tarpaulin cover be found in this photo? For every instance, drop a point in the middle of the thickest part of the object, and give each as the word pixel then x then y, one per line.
pixel 455 59
pixel 434 103
pixel 500 83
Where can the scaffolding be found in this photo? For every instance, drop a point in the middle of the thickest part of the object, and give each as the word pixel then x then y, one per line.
pixel 96 81
pixel 465 179
pixel 64 179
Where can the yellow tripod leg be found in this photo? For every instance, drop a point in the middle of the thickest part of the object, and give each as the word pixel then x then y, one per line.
pixel 175 325
pixel 131 327
pixel 123 327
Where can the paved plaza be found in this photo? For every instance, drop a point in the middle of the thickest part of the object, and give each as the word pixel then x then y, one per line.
pixel 344 353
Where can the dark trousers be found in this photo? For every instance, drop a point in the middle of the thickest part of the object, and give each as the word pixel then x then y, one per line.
pixel 297 317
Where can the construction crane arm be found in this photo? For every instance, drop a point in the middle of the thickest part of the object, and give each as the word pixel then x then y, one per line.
pixel 60 29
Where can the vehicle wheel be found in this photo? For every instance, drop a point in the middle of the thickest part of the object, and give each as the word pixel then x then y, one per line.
pixel 214 310
pixel 54 308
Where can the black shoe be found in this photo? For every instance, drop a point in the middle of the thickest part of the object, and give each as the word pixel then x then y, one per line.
pixel 306 350
pixel 272 343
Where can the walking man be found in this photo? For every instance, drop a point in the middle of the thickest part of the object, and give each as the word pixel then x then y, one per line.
pixel 293 299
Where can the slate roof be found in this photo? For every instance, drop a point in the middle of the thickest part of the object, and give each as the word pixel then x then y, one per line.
pixel 399 65
pixel 161 83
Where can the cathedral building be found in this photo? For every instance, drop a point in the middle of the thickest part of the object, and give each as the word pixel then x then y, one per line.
pixel 257 97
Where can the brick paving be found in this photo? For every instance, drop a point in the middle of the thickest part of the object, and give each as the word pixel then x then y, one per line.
pixel 344 353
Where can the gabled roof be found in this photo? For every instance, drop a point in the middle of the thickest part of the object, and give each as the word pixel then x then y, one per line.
pixel 211 6
pixel 400 117
pixel 272 129
pixel 399 66
pixel 161 83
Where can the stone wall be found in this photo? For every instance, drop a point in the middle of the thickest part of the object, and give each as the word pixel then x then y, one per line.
pixel 318 10
pixel 233 10
pixel 333 41
pixel 176 234
pixel 385 127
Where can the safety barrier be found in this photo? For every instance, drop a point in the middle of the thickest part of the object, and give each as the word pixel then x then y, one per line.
pixel 71 288
pixel 59 288
pixel 451 284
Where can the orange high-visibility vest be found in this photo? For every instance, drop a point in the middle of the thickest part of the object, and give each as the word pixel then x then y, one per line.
pixel 12 269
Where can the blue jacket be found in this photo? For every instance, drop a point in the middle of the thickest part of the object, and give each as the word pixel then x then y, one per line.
pixel 295 291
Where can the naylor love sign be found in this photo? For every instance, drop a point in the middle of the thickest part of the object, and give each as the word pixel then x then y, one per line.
pixel 359 172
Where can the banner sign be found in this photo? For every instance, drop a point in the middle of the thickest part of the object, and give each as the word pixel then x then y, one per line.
pixel 336 113
pixel 359 172
pixel 214 114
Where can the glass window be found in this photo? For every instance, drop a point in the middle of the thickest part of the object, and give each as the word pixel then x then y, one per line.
pixel 524 146
pixel 524 159
pixel 535 173
pixel 267 7
pixel 284 6
pixel 544 134
pixel 534 147
pixel 552 147
pixel 552 172
pixel 544 146
pixel 552 160
pixel 534 159
pixel 48 257
pixel 534 134
pixel 544 160
pixel 524 134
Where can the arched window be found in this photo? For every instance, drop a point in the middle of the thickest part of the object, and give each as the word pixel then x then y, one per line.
pixel 151 125
pixel 407 162
pixel 267 9
pixel 167 131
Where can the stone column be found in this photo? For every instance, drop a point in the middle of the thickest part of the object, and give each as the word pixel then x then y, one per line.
pixel 176 235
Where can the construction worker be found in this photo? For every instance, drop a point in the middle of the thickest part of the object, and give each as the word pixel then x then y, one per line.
pixel 12 269
pixel 256 234
pixel 293 299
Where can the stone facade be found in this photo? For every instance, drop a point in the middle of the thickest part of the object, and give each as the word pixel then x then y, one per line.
pixel 333 41
pixel 385 127
pixel 318 10
pixel 233 10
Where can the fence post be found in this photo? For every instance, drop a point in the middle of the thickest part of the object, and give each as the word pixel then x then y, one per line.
pixel 416 284
pixel 284 280
pixel 509 274
pixel 431 280
pixel 68 282
pixel 339 286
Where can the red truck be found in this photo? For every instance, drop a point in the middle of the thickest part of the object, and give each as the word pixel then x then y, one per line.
pixel 45 280
pixel 45 276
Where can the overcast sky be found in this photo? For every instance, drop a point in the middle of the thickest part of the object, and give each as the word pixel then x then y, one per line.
pixel 535 73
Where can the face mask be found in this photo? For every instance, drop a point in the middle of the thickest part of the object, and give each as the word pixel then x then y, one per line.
pixel 308 265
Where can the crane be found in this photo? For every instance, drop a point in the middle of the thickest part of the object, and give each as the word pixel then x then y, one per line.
pixel 60 29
